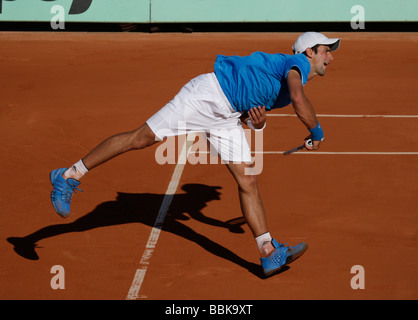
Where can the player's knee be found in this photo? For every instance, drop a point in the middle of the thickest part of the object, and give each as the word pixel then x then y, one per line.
pixel 248 183
pixel 141 138
pixel 141 142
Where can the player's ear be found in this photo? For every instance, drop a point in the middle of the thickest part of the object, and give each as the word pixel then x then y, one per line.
pixel 309 52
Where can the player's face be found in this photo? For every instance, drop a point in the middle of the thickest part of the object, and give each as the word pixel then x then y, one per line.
pixel 321 59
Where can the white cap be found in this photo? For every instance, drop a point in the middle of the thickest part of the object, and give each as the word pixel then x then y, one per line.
pixel 310 39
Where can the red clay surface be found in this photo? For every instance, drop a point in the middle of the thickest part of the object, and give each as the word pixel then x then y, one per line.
pixel 62 93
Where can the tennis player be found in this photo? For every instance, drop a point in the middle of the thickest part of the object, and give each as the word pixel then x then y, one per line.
pixel 241 89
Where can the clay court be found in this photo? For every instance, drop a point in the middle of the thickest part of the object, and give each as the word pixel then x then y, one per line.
pixel 354 201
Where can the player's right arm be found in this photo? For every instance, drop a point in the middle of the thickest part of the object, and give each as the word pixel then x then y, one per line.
pixel 302 106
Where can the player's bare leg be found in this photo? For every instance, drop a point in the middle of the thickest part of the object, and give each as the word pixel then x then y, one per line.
pixel 120 143
pixel 66 180
pixel 274 256
pixel 251 204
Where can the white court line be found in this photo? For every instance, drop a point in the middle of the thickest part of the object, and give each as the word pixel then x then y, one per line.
pixel 140 273
pixel 342 153
pixel 406 116
pixel 348 115
pixel 382 153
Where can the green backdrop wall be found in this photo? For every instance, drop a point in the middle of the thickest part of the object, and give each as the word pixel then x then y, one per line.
pixel 146 11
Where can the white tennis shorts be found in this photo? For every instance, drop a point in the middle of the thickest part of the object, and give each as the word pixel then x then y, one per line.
pixel 201 106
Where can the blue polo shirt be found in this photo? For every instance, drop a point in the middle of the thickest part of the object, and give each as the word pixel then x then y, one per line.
pixel 259 79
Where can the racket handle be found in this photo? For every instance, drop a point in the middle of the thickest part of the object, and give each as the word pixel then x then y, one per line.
pixel 309 142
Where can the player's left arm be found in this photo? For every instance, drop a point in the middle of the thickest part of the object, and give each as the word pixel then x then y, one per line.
pixel 303 108
pixel 255 118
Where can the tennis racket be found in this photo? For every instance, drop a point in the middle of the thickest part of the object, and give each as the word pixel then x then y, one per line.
pixel 298 148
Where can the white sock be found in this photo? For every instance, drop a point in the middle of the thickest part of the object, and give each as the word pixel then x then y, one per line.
pixel 262 239
pixel 77 171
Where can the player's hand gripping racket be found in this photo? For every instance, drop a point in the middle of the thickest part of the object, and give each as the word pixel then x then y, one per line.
pixel 298 148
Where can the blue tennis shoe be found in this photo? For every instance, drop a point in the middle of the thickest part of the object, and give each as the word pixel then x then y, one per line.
pixel 62 191
pixel 281 256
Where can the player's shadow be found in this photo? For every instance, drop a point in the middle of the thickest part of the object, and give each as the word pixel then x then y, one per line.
pixel 144 208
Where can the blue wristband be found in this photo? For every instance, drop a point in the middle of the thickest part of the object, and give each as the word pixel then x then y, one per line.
pixel 317 133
